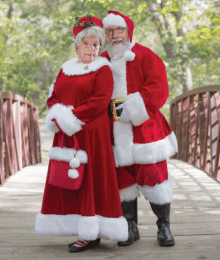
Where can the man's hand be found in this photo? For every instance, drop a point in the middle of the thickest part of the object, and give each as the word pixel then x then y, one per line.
pixel 124 118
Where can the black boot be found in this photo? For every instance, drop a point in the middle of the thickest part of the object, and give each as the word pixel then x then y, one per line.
pixel 130 213
pixel 164 235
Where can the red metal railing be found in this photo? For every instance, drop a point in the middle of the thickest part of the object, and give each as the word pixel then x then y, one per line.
pixel 195 119
pixel 19 134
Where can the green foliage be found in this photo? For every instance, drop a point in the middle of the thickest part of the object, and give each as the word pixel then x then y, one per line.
pixel 36 38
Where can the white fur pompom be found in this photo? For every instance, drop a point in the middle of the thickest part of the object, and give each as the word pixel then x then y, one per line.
pixel 74 163
pixel 73 174
pixel 129 55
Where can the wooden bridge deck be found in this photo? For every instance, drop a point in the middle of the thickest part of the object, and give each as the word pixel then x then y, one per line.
pixel 195 219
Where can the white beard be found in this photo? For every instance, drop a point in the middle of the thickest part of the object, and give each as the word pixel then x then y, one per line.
pixel 116 51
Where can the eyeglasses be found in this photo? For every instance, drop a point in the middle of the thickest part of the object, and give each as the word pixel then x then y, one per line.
pixel 87 44
pixel 118 30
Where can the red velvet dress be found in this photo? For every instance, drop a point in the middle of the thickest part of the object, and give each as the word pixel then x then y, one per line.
pixel 80 95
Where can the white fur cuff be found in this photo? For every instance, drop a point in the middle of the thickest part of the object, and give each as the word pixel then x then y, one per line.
pixel 66 120
pixel 136 108
pixel 130 193
pixel 160 193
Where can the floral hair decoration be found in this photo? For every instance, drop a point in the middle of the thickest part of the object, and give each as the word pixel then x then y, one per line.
pixel 84 22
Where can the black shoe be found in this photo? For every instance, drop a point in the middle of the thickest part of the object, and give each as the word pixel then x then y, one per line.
pixel 164 235
pixel 97 242
pixel 129 209
pixel 82 245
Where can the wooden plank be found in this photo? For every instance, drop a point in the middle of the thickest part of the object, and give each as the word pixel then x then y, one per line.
pixel 217 161
pixel 37 135
pixel 8 166
pixel 196 91
pixel 202 126
pixel 207 131
pixel 15 153
pixel 188 127
pixel 180 105
pixel 17 123
pixel 214 123
pixel 24 154
pixel 2 168
pixel 30 141
pixel 185 109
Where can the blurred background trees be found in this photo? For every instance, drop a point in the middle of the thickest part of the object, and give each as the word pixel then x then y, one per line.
pixel 36 38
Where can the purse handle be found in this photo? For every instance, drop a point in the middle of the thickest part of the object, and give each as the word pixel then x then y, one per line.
pixel 76 144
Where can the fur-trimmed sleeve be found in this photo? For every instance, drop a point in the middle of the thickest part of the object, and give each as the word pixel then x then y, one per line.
pixel 59 116
pixel 155 90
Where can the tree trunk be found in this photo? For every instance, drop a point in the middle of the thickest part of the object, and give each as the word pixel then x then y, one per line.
pixel 171 45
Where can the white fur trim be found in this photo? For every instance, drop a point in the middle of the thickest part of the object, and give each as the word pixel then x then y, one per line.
pixel 114 20
pixel 71 67
pixel 73 173
pixel 88 228
pixel 82 156
pixel 129 55
pixel 54 225
pixel 129 193
pixel 113 228
pixel 160 193
pixel 127 153
pixel 119 76
pixel 61 154
pixel 51 125
pixel 51 89
pixel 156 151
pixel 85 227
pixel 75 163
pixel 123 137
pixel 67 154
pixel 136 109
pixel 65 118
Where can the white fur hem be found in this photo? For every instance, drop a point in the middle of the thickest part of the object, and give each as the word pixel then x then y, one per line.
pixel 136 109
pixel 160 193
pixel 88 228
pixel 71 67
pixel 156 151
pixel 114 20
pixel 127 153
pixel 129 193
pixel 66 120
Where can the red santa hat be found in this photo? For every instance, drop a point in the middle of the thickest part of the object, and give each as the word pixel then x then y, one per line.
pixel 85 22
pixel 115 18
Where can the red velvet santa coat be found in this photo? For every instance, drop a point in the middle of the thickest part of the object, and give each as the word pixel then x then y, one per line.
pixel 78 102
pixel 140 78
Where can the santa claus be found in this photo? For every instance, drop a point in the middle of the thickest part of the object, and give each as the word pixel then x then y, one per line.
pixel 141 137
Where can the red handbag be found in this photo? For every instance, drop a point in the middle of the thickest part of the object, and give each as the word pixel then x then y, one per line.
pixel 59 172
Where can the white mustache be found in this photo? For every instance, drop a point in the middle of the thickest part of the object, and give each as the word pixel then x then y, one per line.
pixel 117 40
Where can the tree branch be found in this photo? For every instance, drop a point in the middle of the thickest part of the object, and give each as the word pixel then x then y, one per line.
pixel 10 10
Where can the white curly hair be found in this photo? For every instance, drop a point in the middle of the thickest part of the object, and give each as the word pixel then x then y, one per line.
pixel 95 31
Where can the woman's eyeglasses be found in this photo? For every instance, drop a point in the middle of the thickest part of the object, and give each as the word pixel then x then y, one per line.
pixel 118 30
pixel 87 45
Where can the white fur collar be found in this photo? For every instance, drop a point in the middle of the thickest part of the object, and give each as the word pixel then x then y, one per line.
pixel 71 67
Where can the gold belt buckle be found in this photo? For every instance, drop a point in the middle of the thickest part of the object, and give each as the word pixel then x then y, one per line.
pixel 113 108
